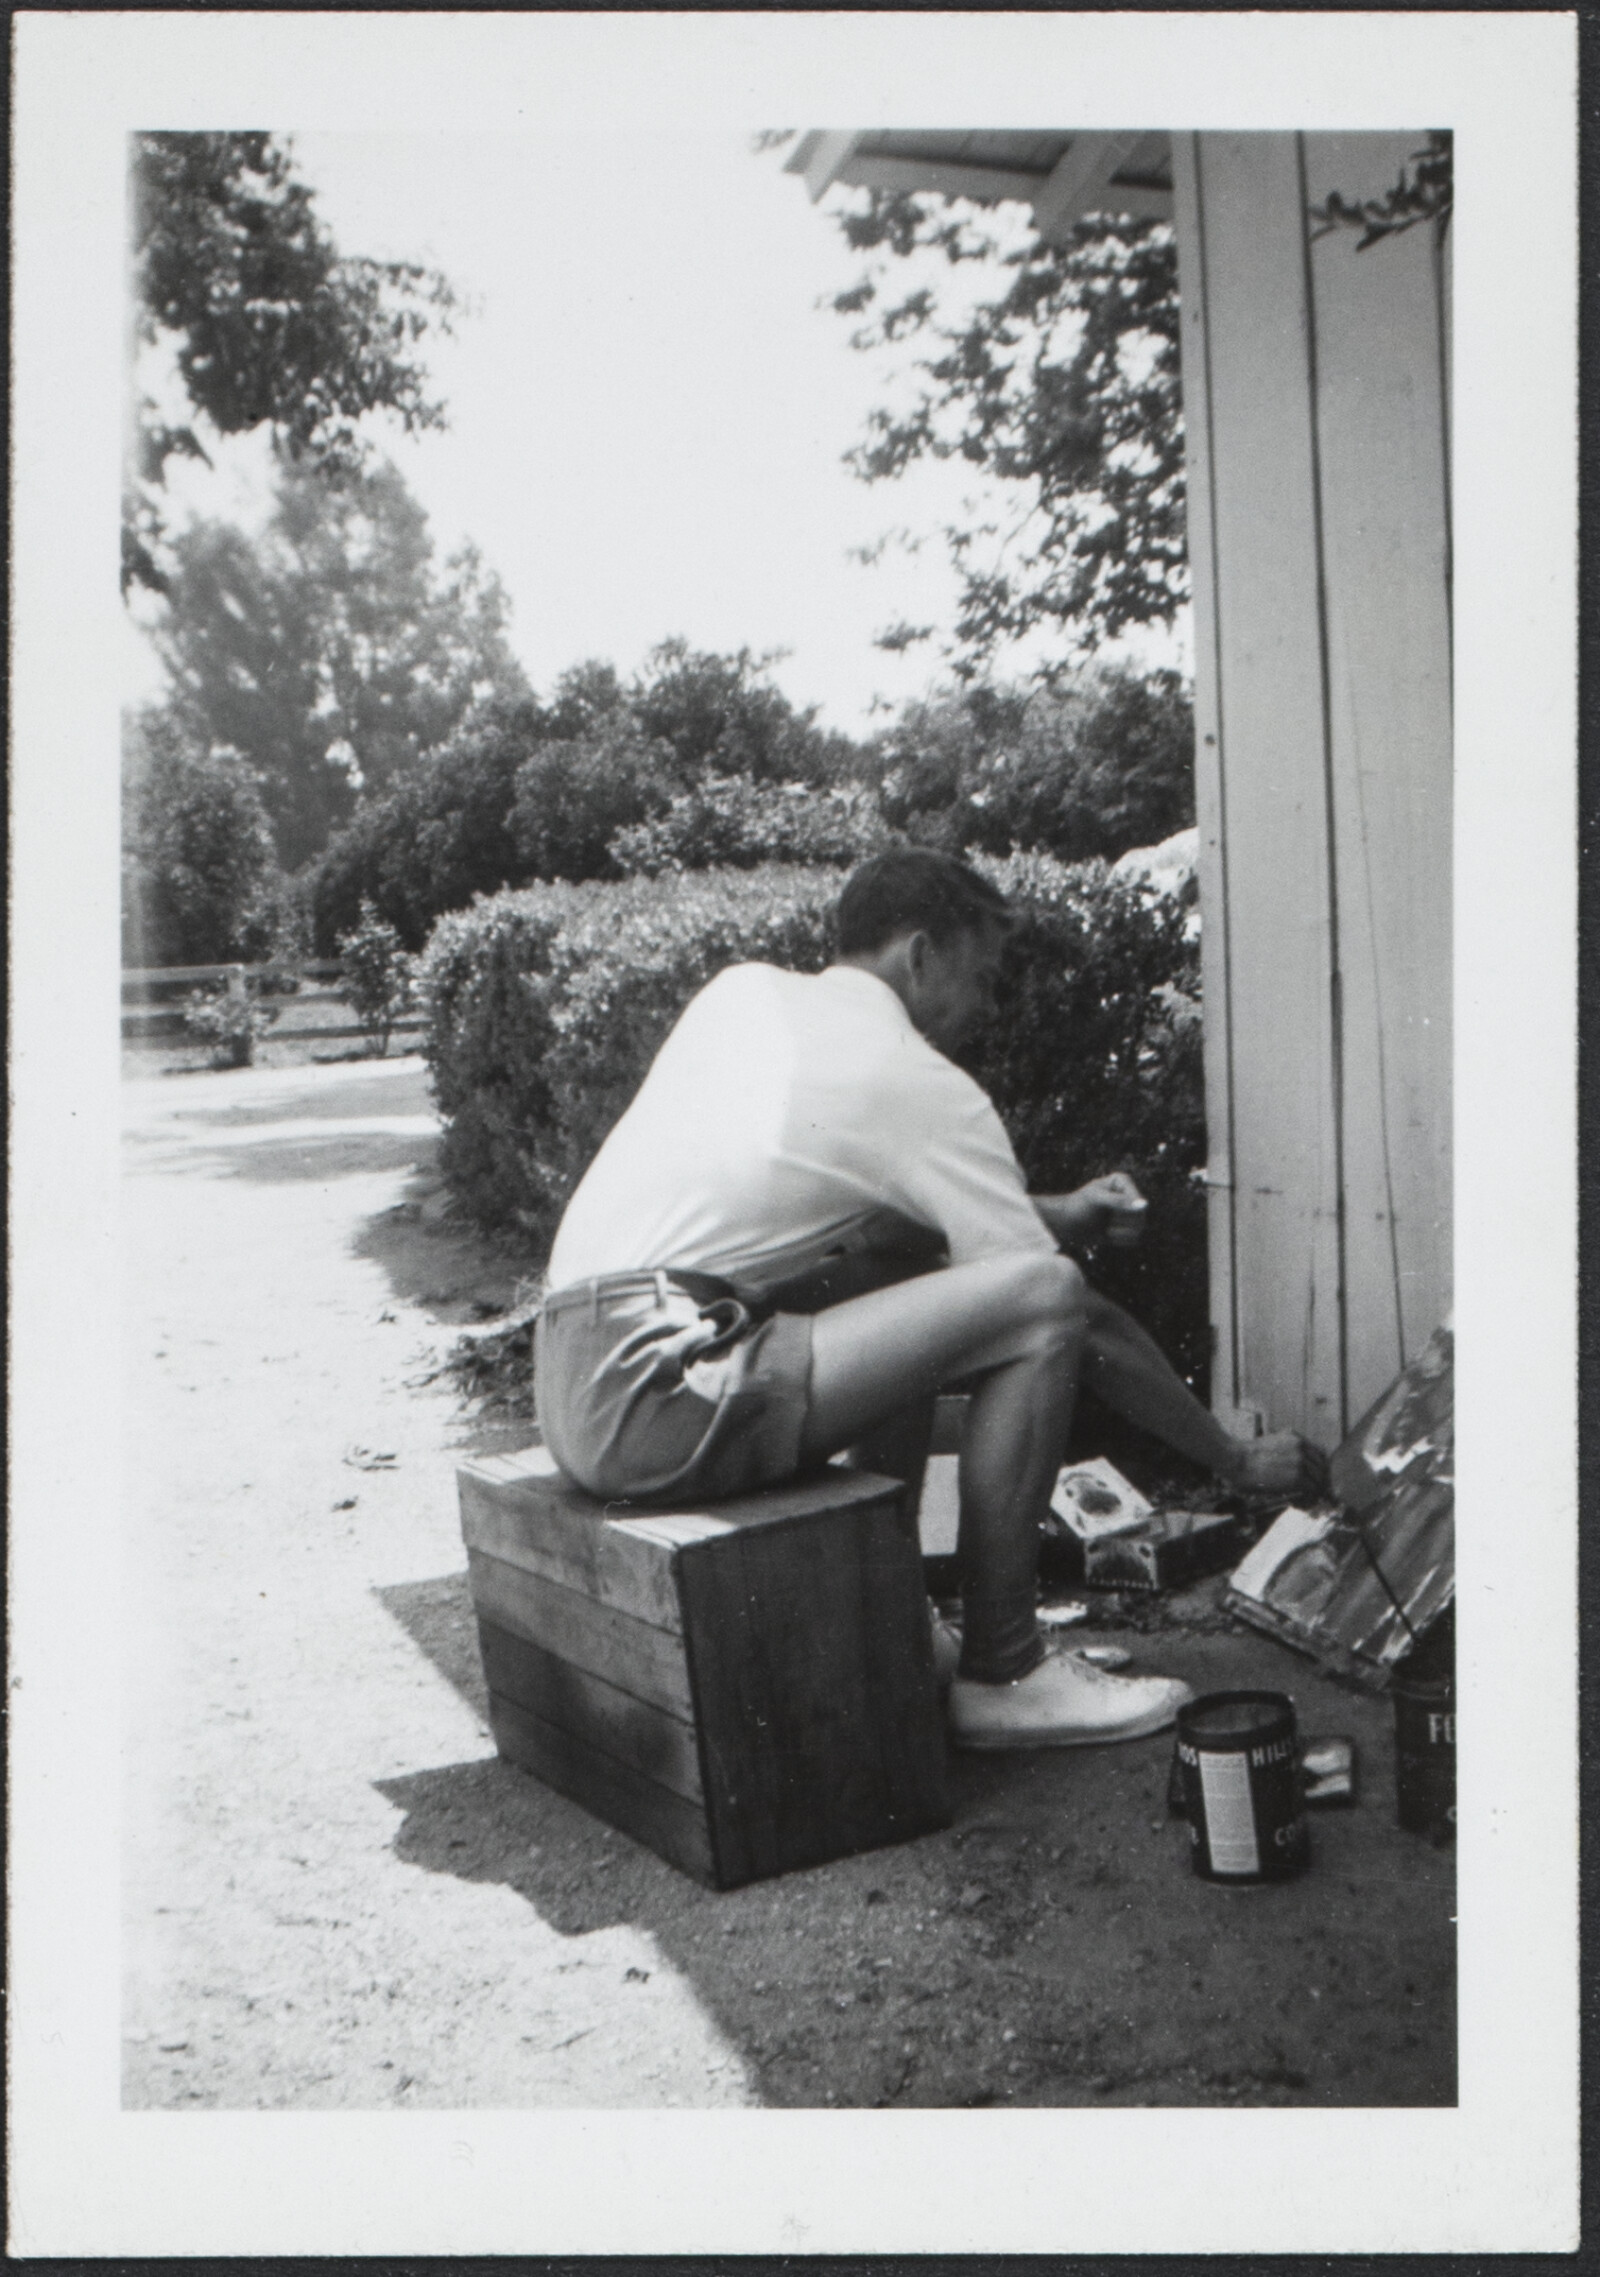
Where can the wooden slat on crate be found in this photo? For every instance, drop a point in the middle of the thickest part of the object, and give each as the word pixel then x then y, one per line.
pixel 651 1741
pixel 813 1680
pixel 508 1511
pixel 648 1811
pixel 635 1655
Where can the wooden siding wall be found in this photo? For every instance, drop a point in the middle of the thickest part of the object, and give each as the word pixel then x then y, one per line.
pixel 1315 384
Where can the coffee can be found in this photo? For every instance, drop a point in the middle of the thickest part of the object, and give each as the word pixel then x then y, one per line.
pixel 1425 1757
pixel 1239 1760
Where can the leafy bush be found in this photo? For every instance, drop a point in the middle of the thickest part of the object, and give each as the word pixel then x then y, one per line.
pixel 731 821
pixel 1086 771
pixel 231 1018
pixel 198 864
pixel 722 716
pixel 545 1007
pixel 377 981
pixel 437 839
pixel 1095 1065
pixel 572 798
pixel 525 790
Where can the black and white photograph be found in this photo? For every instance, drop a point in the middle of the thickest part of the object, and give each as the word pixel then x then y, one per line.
pixel 794 920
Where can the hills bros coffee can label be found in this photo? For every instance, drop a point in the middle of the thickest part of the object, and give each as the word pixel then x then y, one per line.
pixel 1238 1758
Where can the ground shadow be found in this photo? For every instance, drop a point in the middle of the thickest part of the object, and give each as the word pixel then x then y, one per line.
pixel 459 1278
pixel 437 1260
pixel 374 1087
pixel 1052 1947
pixel 317 1161
pixel 363 1121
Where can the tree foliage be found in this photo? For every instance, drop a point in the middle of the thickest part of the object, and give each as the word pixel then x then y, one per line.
pixel 198 869
pixel 329 650
pixel 529 790
pixel 723 715
pixel 1087 769
pixel 377 981
pixel 268 324
pixel 1424 191
pixel 434 840
pixel 1063 386
pixel 574 797
pixel 733 822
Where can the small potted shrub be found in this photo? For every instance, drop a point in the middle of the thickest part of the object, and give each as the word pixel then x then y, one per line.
pixel 231 1018
pixel 378 983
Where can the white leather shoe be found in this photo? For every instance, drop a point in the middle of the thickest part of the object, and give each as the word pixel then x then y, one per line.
pixel 1064 1702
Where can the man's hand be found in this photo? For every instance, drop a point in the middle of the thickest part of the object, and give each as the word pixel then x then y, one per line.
pixel 1122 1209
pixel 1280 1464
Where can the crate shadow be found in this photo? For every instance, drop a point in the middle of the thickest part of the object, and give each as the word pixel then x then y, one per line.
pixel 1051 1947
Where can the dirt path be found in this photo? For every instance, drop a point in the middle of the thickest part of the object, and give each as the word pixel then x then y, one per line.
pixel 281 1950
pixel 336 1895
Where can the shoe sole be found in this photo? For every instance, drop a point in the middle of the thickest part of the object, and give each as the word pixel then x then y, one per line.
pixel 1003 1742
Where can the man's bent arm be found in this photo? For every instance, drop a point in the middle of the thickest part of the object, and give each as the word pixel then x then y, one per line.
pixel 1071 1220
pixel 1111 1205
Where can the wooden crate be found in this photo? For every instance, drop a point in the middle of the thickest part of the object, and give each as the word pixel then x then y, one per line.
pixel 747 1686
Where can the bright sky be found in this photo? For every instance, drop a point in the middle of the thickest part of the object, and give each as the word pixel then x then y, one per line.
pixel 648 410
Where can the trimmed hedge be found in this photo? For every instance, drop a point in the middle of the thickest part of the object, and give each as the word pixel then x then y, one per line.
pixel 545 1007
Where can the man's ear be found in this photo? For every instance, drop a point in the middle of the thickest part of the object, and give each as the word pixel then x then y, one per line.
pixel 918 948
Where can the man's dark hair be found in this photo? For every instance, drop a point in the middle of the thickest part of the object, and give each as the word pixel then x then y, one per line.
pixel 912 890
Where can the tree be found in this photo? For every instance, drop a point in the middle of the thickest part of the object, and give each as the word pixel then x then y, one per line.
pixel 732 822
pixel 722 714
pixel 1090 768
pixel 267 323
pixel 440 836
pixel 328 650
pixel 526 790
pixel 573 797
pixel 377 983
pixel 1063 386
pixel 197 860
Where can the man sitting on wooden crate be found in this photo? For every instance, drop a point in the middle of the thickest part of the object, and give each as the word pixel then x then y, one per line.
pixel 718 1320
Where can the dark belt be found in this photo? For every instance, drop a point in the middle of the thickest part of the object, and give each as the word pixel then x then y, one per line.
pixel 700 1288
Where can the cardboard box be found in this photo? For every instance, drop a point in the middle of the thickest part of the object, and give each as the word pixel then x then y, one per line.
pixel 1170 1549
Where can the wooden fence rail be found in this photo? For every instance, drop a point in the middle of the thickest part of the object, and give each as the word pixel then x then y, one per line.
pixel 195 976
pixel 160 1015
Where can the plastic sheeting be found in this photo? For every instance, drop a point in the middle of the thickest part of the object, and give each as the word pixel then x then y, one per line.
pixel 1360 1586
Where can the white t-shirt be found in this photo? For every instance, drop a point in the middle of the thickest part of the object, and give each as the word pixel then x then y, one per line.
pixel 782 1111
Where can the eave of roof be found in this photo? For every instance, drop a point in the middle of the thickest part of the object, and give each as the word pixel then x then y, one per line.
pixel 1059 173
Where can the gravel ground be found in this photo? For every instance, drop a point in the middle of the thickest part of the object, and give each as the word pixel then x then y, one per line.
pixel 336 1895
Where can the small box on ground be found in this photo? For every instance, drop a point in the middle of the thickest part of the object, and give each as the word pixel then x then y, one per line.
pixel 1169 1549
pixel 745 1686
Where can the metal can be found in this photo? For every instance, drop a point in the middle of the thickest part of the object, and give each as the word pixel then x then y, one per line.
pixel 1239 1760
pixel 1425 1757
